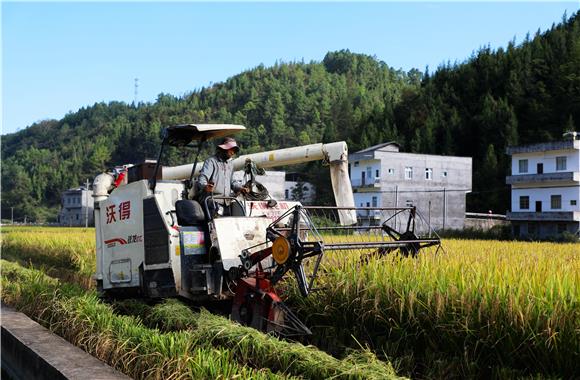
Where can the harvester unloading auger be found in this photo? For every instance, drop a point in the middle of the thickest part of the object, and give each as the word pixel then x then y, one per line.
pixel 155 241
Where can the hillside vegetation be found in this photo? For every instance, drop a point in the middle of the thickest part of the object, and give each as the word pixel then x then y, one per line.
pixel 521 94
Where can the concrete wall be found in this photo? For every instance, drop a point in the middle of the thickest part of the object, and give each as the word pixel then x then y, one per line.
pixel 484 223
pixel 29 351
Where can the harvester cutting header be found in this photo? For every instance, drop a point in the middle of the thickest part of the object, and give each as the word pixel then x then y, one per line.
pixel 157 237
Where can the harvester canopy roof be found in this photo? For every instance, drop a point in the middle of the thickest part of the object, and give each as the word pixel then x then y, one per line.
pixel 183 134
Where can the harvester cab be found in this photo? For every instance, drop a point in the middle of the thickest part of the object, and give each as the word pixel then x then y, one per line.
pixel 155 240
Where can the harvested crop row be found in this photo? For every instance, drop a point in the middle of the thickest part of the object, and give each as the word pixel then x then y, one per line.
pixel 253 347
pixel 486 305
pixel 216 348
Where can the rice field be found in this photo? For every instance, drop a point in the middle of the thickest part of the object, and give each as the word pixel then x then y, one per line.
pixel 165 341
pixel 482 309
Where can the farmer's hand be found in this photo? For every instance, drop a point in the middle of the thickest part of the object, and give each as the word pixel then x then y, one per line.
pixel 209 187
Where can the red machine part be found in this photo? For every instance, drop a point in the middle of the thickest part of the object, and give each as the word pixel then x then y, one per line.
pixel 256 304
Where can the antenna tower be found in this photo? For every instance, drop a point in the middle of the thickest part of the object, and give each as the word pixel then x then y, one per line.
pixel 136 90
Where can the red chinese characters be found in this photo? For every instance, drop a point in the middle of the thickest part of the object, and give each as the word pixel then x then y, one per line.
pixel 125 210
pixel 111 216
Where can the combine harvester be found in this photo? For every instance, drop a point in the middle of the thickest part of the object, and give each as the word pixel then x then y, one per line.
pixel 154 240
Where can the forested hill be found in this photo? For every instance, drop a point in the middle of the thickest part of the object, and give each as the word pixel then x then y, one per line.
pixel 346 96
pixel 525 93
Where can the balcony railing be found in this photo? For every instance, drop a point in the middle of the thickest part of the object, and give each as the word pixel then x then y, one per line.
pixel 545 216
pixel 366 182
pixel 544 177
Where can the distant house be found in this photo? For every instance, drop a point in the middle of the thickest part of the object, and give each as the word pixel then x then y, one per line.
pixel 77 207
pixel 545 188
pixel 284 186
pixel 382 176
pixel 297 188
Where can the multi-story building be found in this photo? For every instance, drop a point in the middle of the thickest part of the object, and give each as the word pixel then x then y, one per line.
pixel 76 207
pixel 382 176
pixel 545 188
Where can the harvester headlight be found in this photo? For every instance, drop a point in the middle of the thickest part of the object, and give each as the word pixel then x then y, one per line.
pixel 281 250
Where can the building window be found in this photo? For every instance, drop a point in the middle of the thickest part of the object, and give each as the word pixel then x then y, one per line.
pixel 286 193
pixel 444 174
pixel 390 171
pixel 524 202
pixel 556 202
pixel 429 174
pixel 375 202
pixel 523 166
pixel 560 163
pixel 573 202
pixel 356 164
pixel 409 203
pixel 377 174
pixel 408 172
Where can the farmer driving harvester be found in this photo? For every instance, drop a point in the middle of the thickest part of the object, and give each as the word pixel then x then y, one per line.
pixel 215 179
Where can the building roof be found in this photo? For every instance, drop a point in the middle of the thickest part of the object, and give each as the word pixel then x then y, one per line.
pixel 379 146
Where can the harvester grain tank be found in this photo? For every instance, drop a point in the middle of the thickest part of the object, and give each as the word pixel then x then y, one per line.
pixel 155 240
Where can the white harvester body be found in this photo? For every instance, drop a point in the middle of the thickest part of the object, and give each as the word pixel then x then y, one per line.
pixel 142 248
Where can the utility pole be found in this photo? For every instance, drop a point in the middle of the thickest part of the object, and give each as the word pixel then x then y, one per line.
pixel 429 218
pixel 396 202
pixel 87 205
pixel 444 207
pixel 12 214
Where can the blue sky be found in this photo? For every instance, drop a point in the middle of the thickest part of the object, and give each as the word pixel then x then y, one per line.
pixel 58 57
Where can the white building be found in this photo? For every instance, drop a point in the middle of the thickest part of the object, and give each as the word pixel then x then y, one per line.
pixel 77 207
pixel 382 176
pixel 545 182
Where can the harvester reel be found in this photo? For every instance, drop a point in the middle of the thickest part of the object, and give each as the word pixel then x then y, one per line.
pixel 411 248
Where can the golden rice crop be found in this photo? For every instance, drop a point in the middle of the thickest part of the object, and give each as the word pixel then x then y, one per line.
pixel 487 304
pixel 68 253
pixel 480 308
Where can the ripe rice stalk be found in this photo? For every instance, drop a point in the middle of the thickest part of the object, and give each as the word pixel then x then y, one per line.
pixel 514 304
